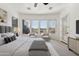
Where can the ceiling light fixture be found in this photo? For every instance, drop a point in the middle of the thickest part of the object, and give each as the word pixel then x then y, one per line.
pixel 35 4
pixel 45 3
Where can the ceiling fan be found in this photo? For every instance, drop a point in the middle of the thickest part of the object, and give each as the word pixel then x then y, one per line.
pixel 35 4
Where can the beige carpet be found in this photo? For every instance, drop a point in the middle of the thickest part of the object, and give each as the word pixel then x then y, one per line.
pixel 61 48
pixel 56 48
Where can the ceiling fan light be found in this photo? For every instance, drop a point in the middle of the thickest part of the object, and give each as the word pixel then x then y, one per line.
pixel 45 3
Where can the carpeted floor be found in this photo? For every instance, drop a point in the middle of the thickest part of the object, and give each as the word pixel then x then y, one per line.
pixel 61 48
pixel 56 48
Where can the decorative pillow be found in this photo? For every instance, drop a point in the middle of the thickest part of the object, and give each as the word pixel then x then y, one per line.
pixel 14 37
pixel 7 40
pixel 11 38
pixel 1 41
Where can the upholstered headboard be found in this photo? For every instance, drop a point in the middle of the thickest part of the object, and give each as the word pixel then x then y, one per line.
pixel 2 29
pixel 5 29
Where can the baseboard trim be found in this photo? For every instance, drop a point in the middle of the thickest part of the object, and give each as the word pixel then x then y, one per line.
pixel 64 42
pixel 73 51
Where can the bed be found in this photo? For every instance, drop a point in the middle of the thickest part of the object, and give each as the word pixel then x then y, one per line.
pixel 10 48
pixel 20 47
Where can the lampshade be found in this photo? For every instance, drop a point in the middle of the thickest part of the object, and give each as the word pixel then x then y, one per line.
pixel 16 29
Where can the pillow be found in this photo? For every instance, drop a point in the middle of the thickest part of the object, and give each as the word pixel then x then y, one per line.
pixel 1 41
pixel 7 40
pixel 7 34
pixel 14 37
pixel 11 38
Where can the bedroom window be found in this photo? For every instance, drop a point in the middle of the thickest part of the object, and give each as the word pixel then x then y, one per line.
pixel 43 24
pixel 52 23
pixel 35 27
pixel 35 24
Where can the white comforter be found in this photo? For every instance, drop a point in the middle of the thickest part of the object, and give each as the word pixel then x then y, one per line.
pixel 18 47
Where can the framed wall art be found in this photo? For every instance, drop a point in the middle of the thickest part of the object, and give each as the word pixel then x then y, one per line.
pixel 3 15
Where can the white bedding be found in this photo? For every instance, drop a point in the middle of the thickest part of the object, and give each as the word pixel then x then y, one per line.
pixel 11 47
pixel 18 47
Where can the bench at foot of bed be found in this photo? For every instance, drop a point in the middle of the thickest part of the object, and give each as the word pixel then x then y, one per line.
pixel 39 48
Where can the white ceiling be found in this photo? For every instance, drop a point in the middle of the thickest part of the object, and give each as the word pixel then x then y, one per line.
pixel 28 8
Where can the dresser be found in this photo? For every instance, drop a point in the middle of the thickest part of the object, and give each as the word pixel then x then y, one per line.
pixel 73 44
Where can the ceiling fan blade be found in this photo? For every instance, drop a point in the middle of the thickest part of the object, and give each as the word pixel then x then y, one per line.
pixel 45 3
pixel 35 5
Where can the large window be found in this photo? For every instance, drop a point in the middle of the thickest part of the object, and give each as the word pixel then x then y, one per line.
pixel 43 24
pixel 35 24
pixel 52 23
